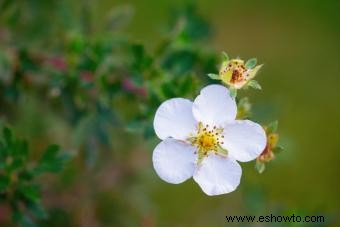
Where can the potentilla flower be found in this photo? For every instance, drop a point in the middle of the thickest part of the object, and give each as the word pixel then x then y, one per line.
pixel 268 154
pixel 237 74
pixel 202 139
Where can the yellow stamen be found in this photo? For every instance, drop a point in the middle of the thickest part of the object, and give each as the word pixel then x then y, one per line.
pixel 208 139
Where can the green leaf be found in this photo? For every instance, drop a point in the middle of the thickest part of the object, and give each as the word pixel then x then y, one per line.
pixel 260 167
pixel 272 127
pixel 148 131
pixel 50 154
pixel 30 192
pixel 16 215
pixel 254 84
pixel 233 92
pixel 4 182
pixel 135 126
pixel 7 135
pixel 225 57
pixel 38 210
pixel 251 63
pixel 26 175
pixel 52 161
pixel 168 90
pixel 214 76
pixel 26 221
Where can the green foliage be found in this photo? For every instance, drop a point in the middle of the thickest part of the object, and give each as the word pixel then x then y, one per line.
pixel 99 84
pixel 19 174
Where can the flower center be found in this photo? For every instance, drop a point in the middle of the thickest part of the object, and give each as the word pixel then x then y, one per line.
pixel 234 72
pixel 208 139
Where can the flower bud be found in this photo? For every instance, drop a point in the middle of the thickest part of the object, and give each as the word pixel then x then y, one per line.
pixel 236 73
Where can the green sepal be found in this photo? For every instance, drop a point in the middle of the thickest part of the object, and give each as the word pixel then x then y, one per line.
pixel 254 84
pixel 214 76
pixel 225 57
pixel 278 149
pixel 272 127
pixel 260 167
pixel 251 63
pixel 233 92
pixel 254 71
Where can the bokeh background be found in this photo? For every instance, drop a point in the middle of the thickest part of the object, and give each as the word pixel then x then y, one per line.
pixel 111 181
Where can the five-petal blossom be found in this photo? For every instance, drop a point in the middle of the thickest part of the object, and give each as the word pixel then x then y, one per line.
pixel 202 139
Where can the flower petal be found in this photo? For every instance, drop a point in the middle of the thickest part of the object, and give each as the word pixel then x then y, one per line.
pixel 218 175
pixel 214 106
pixel 174 118
pixel 174 161
pixel 244 140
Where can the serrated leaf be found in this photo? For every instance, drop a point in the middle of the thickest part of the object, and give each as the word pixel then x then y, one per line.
pixel 52 161
pixel 254 84
pixel 260 167
pixel 214 76
pixel 251 63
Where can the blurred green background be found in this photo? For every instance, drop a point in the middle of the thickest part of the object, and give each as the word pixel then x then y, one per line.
pixel 299 44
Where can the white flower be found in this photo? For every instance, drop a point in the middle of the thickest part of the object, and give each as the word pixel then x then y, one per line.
pixel 202 139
